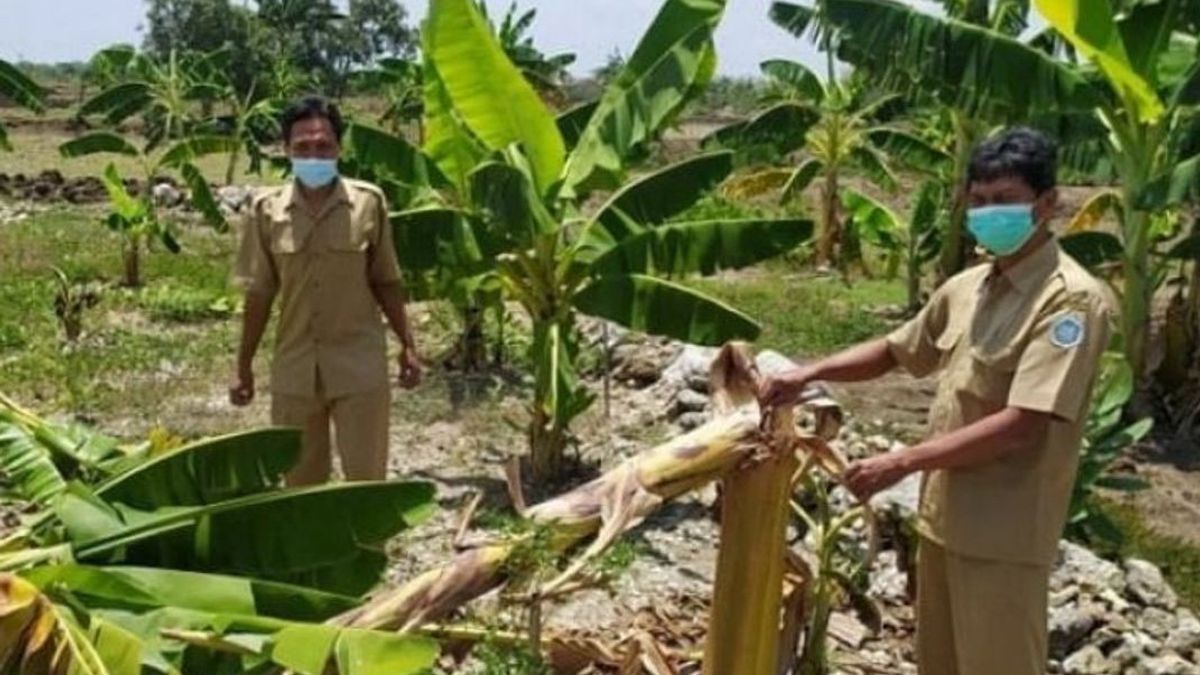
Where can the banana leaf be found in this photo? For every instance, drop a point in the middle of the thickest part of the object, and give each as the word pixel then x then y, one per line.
pixel 677 249
pixel 487 91
pixel 664 308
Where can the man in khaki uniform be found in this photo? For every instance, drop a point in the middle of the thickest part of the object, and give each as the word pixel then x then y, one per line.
pixel 323 245
pixel 1016 343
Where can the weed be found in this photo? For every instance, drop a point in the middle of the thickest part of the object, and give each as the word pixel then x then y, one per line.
pixel 1179 559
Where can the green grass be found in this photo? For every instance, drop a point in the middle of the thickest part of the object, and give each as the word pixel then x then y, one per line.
pixel 1179 560
pixel 140 347
pixel 803 315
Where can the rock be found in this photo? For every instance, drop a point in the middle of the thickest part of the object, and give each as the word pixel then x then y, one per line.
pixel 640 364
pixel 1185 638
pixel 901 499
pixel 1077 565
pixel 690 401
pixel 234 198
pixel 1088 661
pixel 692 362
pixel 1167 664
pixel 1069 626
pixel 1147 586
pixel 167 195
pixel 691 420
pixel 772 363
pixel 1157 622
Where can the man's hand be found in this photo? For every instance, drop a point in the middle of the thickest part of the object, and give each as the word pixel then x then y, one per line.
pixel 241 392
pixel 867 477
pixel 410 368
pixel 784 390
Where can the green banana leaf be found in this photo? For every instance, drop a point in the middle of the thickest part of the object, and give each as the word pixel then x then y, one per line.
pixel 144 588
pixel 563 396
pixel 97 142
pixel 911 149
pixel 27 466
pixel 189 150
pixel 656 197
pixel 208 471
pixel 432 238
pixel 1187 92
pixel 874 222
pixel 671 63
pixel 487 91
pixel 574 120
pixel 1182 183
pixel 373 154
pixel 800 179
pixel 796 76
pixel 310 649
pixel 770 135
pixel 202 197
pixel 40 636
pixel 1145 31
pixel 1093 249
pixel 20 88
pixel 677 249
pixel 664 308
pixel 448 142
pixel 507 201
pixel 1088 25
pixel 964 65
pixel 345 527
pixel 118 102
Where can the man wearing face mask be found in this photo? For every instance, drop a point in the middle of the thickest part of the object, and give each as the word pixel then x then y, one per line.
pixel 1015 343
pixel 323 246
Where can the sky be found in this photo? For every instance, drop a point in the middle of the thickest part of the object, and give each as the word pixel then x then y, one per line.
pixel 72 30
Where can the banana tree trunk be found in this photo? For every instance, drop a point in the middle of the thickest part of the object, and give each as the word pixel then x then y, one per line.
pixel 617 501
pixel 831 234
pixel 952 258
pixel 625 495
pixel 1138 289
pixel 132 263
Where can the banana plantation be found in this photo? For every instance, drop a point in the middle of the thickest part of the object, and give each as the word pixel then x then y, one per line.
pixel 603 272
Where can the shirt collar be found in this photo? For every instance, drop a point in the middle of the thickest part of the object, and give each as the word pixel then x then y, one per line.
pixel 1031 270
pixel 293 199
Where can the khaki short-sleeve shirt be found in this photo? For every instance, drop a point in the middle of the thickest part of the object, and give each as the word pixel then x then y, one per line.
pixel 1029 337
pixel 323 266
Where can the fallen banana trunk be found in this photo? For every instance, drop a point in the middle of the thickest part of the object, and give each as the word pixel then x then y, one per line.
pixel 623 497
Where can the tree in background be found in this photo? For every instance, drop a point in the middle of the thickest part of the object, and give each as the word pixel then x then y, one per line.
pixel 313 35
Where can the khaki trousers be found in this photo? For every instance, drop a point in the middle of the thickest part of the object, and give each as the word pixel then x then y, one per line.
pixel 979 617
pixel 360 422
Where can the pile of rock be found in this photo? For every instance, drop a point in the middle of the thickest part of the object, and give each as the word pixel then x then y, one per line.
pixel 52 186
pixel 1105 617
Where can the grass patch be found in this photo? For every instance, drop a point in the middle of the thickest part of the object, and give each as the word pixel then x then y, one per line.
pixel 807 316
pixel 134 355
pixel 1179 560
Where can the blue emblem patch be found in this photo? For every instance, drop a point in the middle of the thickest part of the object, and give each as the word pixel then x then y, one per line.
pixel 1067 331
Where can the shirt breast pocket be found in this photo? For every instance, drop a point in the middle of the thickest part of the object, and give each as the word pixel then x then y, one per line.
pixel 286 238
pixel 988 375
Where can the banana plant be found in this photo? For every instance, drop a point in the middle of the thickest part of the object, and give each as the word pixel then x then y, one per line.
pixel 20 89
pixel 1141 89
pixel 838 129
pixel 912 242
pixel 1106 438
pixel 136 217
pixel 959 123
pixel 516 220
pixel 546 73
pixel 182 560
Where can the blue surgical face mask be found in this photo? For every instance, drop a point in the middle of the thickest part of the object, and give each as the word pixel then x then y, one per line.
pixel 314 173
pixel 1002 229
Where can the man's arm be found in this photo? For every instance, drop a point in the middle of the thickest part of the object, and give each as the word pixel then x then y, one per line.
pixel 390 297
pixel 999 434
pixel 255 315
pixel 865 361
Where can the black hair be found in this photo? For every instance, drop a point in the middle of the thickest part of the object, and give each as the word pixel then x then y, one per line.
pixel 1018 152
pixel 309 107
